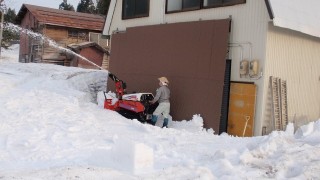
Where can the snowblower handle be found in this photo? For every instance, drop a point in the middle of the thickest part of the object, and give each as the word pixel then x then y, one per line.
pixel 120 85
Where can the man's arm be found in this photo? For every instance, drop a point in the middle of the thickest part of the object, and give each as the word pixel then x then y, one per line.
pixel 156 98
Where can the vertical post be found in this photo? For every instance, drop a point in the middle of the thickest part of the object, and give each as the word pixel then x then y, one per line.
pixel 1 25
pixel 1 29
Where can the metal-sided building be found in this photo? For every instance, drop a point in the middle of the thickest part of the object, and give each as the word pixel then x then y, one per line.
pixel 237 63
pixel 64 27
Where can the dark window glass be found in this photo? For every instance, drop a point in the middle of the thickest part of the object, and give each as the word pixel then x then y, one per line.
pixel 191 4
pixel 142 7
pixel 174 5
pixel 128 8
pixel 135 8
pixel 182 5
pixel 187 5
pixel 213 2
pixel 219 3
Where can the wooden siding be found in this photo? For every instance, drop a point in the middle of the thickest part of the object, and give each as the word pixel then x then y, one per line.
pixel 27 23
pixel 60 36
pixel 55 25
pixel 92 54
pixel 294 57
pixel 62 18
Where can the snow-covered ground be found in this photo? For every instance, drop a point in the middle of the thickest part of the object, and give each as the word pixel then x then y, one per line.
pixel 51 128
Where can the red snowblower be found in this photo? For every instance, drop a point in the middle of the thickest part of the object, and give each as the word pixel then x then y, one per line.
pixel 131 106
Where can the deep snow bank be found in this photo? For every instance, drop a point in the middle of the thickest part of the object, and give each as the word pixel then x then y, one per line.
pixel 79 83
pixel 49 128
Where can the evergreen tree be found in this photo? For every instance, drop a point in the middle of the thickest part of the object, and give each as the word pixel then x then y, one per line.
pixel 9 35
pixel 86 6
pixel 103 6
pixel 10 16
pixel 65 6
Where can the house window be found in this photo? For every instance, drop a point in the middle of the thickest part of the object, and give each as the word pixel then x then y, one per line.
pixel 135 8
pixel 73 33
pixel 182 5
pixel 220 3
pixel 188 5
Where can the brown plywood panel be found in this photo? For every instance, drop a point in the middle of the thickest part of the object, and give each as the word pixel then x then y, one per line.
pixel 241 109
pixel 192 56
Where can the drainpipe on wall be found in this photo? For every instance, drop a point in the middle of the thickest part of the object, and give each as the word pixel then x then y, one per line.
pixel 164 12
pixel 239 46
pixel 245 43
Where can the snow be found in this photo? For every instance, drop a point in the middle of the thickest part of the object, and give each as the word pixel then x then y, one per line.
pixel 289 14
pixel 53 126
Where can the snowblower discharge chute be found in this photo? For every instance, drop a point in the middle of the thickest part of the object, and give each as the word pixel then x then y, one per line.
pixel 132 106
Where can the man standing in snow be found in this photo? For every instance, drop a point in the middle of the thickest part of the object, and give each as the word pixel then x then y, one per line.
pixel 162 96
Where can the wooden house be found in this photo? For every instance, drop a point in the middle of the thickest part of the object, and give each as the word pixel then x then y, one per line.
pixel 89 51
pixel 248 67
pixel 63 27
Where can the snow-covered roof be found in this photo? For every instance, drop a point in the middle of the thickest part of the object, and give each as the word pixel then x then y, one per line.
pixel 298 15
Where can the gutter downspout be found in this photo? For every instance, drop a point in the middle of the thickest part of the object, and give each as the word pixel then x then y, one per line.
pixel 237 45
pixel 164 12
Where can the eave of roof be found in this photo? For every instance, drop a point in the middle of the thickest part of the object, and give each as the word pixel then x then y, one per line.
pixel 63 18
pixel 78 46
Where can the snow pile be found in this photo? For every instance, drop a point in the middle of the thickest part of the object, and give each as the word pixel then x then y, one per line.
pixel 131 156
pixel 11 54
pixel 193 125
pixel 52 128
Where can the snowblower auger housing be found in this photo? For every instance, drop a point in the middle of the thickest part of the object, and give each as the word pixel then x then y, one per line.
pixel 132 106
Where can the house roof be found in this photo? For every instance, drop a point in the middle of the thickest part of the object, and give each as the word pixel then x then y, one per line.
pixel 62 18
pixel 298 15
pixel 79 46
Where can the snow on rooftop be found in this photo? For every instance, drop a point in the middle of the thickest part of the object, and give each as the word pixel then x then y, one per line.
pixel 298 15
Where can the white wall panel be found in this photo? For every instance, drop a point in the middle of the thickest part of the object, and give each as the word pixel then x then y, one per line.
pixel 295 57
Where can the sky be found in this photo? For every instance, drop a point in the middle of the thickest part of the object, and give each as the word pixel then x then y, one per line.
pixel 16 4
pixel 53 126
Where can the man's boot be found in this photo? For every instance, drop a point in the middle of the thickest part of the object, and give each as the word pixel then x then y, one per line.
pixel 165 123
pixel 154 119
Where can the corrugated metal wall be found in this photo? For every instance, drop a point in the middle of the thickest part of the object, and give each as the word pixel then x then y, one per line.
pixel 288 54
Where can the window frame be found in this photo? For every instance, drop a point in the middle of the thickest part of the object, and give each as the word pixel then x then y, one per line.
pixel 201 6
pixel 77 34
pixel 183 9
pixel 134 16
pixel 235 2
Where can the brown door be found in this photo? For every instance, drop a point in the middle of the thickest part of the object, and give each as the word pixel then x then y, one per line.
pixel 241 109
